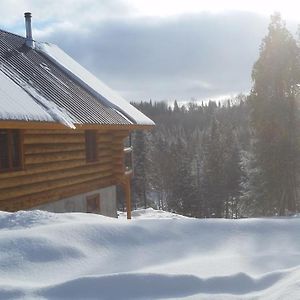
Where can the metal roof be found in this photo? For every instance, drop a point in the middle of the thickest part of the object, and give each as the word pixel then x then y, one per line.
pixel 33 71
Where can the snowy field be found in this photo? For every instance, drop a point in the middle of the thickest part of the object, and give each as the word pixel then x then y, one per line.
pixel 156 255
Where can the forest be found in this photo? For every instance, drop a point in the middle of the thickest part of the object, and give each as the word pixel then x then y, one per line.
pixel 235 158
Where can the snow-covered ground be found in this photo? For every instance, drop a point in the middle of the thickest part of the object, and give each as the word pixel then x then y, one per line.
pixel 156 255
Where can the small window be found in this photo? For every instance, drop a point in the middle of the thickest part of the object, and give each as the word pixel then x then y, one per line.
pixel 128 159
pixel 93 203
pixel 128 162
pixel 10 150
pixel 127 142
pixel 91 145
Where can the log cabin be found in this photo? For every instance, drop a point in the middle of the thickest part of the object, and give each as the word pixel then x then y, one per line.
pixel 62 132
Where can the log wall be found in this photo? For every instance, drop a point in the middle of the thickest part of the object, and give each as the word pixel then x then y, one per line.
pixel 55 167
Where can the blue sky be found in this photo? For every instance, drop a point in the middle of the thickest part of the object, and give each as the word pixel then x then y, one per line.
pixel 159 50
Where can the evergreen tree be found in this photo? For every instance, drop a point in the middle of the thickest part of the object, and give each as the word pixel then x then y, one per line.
pixel 139 182
pixel 232 174
pixel 276 77
pixel 213 172
pixel 183 197
pixel 193 158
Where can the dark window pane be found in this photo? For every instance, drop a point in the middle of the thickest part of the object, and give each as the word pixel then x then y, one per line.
pixel 128 161
pixel 91 145
pixel 16 153
pixel 93 204
pixel 127 142
pixel 4 156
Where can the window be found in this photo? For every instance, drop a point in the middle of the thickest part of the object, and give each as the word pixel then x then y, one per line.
pixel 128 162
pixel 10 150
pixel 93 203
pixel 128 159
pixel 91 145
pixel 127 142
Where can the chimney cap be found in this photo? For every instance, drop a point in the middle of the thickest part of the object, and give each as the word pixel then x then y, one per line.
pixel 27 14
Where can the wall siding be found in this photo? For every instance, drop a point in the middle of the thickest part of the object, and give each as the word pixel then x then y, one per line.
pixel 55 167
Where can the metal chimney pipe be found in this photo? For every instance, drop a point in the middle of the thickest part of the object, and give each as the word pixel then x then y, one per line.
pixel 29 40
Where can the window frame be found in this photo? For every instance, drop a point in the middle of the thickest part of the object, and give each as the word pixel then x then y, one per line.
pixel 91 149
pixel 93 203
pixel 20 150
pixel 128 155
pixel 128 160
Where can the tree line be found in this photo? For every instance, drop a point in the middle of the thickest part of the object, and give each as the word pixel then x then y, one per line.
pixel 233 159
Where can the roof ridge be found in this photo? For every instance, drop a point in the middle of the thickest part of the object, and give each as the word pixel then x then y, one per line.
pixel 17 35
pixel 60 79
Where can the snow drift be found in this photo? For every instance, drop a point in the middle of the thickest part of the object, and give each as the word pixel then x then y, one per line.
pixel 155 256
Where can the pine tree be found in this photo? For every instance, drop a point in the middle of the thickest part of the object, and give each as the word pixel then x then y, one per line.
pixel 232 173
pixel 213 172
pixel 139 182
pixel 183 197
pixel 276 77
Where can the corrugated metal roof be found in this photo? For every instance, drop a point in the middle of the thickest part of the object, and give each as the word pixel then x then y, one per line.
pixel 99 89
pixel 32 70
pixel 16 104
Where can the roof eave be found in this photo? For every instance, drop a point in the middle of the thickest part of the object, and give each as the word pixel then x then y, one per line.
pixel 14 124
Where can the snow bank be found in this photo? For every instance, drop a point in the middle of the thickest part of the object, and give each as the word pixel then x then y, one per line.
pixel 157 255
pixel 151 213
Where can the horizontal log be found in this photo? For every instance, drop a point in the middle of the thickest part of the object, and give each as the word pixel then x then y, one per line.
pixel 105 152
pixel 45 186
pixel 114 133
pixel 29 201
pixel 54 138
pixel 48 176
pixel 118 140
pixel 104 146
pixel 51 157
pixel 68 138
pixel 51 166
pixel 50 132
pixel 117 145
pixel 122 133
pixel 104 138
pixel 41 168
pixel 117 162
pixel 52 148
pixel 117 151
pixel 101 133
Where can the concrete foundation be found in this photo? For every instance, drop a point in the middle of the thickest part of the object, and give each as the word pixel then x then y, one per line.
pixel 105 197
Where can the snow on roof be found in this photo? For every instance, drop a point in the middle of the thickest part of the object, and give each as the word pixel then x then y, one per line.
pixel 16 104
pixel 58 114
pixel 93 84
pixel 56 88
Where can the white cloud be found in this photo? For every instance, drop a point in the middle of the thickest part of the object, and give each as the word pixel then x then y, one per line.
pixel 288 8
pixel 159 49
pixel 49 13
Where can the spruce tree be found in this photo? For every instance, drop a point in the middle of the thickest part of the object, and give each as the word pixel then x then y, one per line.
pixel 139 182
pixel 276 78
pixel 232 173
pixel 213 172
